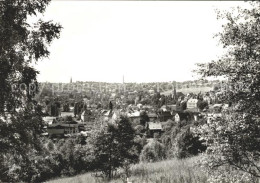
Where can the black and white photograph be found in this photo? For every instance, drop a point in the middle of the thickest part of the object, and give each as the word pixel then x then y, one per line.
pixel 129 91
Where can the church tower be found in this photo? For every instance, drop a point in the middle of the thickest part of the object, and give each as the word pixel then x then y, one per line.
pixel 70 79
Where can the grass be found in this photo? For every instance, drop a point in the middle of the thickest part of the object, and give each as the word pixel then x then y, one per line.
pixel 84 178
pixel 168 171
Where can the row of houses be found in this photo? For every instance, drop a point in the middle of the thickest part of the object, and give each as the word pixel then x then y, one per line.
pixel 133 112
pixel 156 119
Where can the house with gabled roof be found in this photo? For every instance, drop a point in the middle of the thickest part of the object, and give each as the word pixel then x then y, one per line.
pixel 154 128
pixel 192 103
pixel 134 117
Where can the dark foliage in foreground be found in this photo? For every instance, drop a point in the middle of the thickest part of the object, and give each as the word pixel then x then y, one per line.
pixel 20 118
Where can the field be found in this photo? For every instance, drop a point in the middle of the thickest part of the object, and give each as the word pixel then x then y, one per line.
pixel 190 90
pixel 169 171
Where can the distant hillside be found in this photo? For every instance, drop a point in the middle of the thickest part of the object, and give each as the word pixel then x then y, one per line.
pixel 190 90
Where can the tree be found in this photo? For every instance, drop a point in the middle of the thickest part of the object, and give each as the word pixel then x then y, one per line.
pixel 186 144
pixel 76 156
pixel 202 104
pixel 181 105
pixel 21 44
pixel 174 93
pixel 233 140
pixel 115 147
pixel 110 105
pixel 181 142
pixel 162 101
pixel 144 118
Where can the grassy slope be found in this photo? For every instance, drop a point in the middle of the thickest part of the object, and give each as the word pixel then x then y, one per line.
pixel 169 171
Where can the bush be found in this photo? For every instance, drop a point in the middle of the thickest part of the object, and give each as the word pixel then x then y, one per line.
pixel 181 142
pixel 202 104
pixel 65 157
pixel 75 157
pixel 140 142
pixel 186 144
pixel 139 129
pixel 153 151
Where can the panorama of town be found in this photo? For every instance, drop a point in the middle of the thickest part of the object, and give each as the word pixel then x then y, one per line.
pixel 76 107
pixel 129 92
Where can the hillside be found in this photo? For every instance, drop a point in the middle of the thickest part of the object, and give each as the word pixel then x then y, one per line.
pixel 168 171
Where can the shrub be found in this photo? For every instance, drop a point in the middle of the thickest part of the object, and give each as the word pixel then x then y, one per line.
pixel 181 142
pixel 74 157
pixel 139 129
pixel 153 151
pixel 186 144
pixel 140 142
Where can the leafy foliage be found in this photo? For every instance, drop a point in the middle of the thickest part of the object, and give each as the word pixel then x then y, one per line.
pixel 181 142
pixel 186 144
pixel 234 139
pixel 202 104
pixel 144 118
pixel 20 119
pixel 153 151
pixel 115 147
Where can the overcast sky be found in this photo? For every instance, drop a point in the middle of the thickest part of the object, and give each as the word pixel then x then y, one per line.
pixel 144 41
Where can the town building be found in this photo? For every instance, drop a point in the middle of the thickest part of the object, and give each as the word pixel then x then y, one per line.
pixel 61 129
pixel 192 103
pixel 154 129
